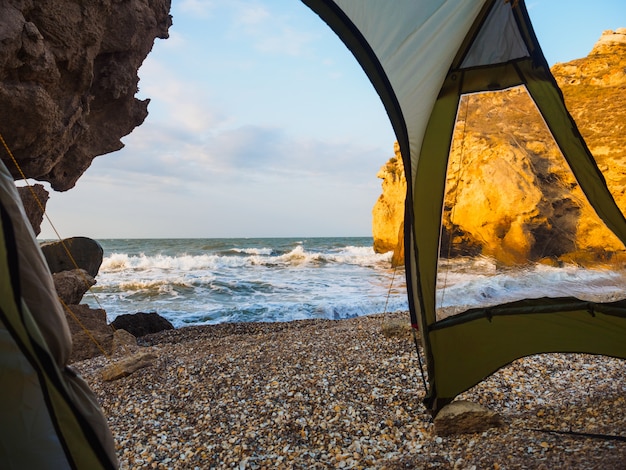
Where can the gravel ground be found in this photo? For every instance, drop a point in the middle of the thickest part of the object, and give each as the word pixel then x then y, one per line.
pixel 342 394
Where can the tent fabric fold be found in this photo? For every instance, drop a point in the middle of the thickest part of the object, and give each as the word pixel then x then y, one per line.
pixel 421 57
pixel 50 417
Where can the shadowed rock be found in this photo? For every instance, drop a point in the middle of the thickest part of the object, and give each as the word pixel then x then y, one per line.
pixel 68 79
pixel 34 199
pixel 85 252
pixel 141 324
pixel 72 285
pixel 91 335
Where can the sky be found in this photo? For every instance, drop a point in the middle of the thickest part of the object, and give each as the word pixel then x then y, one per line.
pixel 262 124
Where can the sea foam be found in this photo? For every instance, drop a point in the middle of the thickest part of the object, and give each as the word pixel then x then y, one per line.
pixel 221 280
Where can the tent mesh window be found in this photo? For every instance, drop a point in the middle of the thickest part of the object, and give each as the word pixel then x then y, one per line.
pixel 515 222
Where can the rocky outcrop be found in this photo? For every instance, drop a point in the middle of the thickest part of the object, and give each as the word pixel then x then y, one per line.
pixel 84 253
pixel 388 212
pixel 510 195
pixel 34 199
pixel 68 78
pixel 91 335
pixel 608 41
pixel 72 285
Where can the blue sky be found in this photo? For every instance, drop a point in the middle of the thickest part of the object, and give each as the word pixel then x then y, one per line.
pixel 262 124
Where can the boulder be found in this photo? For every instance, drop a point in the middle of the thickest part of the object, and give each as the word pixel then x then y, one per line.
pixel 86 253
pixel 124 343
pixel 91 335
pixel 72 285
pixel 34 199
pixel 141 324
pixel 463 416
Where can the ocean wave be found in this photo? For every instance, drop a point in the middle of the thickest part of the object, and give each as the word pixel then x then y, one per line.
pixel 460 291
pixel 351 255
pixel 220 280
pixel 118 262
pixel 278 312
pixel 253 251
pixel 154 284
pixel 298 256
pixel 360 256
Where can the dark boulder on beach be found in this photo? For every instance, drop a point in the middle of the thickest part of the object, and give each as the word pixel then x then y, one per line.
pixel 86 254
pixel 141 324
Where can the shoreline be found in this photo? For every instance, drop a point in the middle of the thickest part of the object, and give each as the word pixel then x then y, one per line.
pixel 341 394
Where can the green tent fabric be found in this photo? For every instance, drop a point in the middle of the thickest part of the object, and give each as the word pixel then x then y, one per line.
pixel 422 56
pixel 50 418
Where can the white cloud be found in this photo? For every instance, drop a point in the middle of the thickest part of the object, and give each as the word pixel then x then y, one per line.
pixel 251 14
pixel 184 104
pixel 286 41
pixel 201 8
pixel 271 32
pixel 175 41
pixel 156 152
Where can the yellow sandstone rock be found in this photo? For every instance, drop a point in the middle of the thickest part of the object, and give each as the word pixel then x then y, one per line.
pixel 510 194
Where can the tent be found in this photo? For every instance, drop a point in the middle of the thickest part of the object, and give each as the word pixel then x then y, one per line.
pixel 50 417
pixel 422 56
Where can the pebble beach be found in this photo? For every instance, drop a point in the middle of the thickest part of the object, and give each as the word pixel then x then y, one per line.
pixel 315 394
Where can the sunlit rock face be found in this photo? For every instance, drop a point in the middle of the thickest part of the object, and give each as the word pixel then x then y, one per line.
pixel 510 195
pixel 388 212
pixel 68 78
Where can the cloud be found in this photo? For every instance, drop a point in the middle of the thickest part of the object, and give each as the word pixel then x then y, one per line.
pixel 235 140
pixel 271 32
pixel 175 41
pixel 181 103
pixel 286 41
pixel 251 14
pixel 157 155
pixel 201 8
pixel 250 146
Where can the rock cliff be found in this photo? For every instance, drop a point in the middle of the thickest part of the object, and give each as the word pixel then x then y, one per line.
pixel 388 212
pixel 68 78
pixel 510 194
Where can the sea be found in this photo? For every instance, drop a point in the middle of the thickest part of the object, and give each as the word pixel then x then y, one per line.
pixel 217 280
